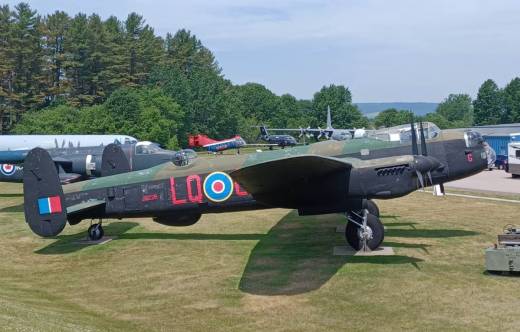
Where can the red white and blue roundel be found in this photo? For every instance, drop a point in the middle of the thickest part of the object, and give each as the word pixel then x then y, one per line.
pixel 7 169
pixel 218 186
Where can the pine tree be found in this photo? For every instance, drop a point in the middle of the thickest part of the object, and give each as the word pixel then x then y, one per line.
pixel 116 70
pixel 6 65
pixel 488 107
pixel 133 28
pixel 28 81
pixel 512 101
pixel 54 29
pixel 97 59
pixel 76 55
pixel 185 51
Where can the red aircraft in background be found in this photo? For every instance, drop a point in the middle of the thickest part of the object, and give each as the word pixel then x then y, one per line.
pixel 236 142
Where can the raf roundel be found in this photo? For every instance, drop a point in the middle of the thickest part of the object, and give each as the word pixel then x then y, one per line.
pixel 7 169
pixel 218 186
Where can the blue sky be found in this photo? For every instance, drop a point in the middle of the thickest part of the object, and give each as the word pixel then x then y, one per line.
pixel 400 50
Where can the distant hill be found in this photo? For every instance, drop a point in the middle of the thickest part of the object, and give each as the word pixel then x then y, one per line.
pixel 372 109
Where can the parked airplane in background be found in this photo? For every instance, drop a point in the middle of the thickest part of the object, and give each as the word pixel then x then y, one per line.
pixel 280 140
pixel 329 132
pixel 81 163
pixel 237 142
pixel 14 148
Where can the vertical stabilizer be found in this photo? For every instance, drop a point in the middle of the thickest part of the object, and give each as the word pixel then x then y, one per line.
pixel 44 202
pixel 329 120
pixel 263 131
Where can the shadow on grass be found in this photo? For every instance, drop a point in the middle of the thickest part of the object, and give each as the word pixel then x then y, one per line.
pixel 69 243
pixel 423 247
pixel 296 257
pixel 428 233
pixel 400 224
pixel 4 195
pixel 389 216
pixel 14 208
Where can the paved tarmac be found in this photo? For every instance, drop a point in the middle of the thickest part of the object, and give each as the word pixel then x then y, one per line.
pixel 496 180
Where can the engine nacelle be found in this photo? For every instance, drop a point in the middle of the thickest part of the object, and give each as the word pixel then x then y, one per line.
pixel 178 220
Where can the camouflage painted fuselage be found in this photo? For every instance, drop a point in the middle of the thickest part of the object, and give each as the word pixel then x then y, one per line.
pixel 377 169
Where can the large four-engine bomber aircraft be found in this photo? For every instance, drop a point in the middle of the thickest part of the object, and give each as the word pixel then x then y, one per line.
pixel 325 177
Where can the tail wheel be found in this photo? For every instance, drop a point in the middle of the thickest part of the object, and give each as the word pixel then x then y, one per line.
pixel 374 232
pixel 372 207
pixel 95 232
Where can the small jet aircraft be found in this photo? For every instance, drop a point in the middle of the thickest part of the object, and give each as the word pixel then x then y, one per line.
pixel 215 146
pixel 329 132
pixel 81 163
pixel 280 140
pixel 320 178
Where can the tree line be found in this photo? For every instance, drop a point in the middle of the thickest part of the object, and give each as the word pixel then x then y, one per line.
pixel 493 105
pixel 82 74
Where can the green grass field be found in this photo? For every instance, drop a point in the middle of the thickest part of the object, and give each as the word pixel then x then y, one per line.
pixel 267 270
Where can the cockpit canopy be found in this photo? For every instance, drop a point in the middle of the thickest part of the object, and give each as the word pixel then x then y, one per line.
pixel 403 133
pixel 146 147
pixel 184 157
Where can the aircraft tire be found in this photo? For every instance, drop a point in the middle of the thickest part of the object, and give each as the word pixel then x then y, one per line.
pixel 375 225
pixel 95 232
pixel 372 207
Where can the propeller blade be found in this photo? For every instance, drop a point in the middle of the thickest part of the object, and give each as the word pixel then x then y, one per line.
pixel 415 148
pixel 420 178
pixel 430 177
pixel 56 143
pixel 62 144
pixel 424 152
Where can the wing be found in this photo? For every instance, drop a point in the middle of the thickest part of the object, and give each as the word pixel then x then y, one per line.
pixel 260 144
pixel 293 181
pixel 76 213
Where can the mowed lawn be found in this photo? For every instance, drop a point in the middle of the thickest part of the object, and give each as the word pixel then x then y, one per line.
pixel 265 270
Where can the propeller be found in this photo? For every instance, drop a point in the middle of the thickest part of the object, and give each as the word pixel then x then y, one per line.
pixel 424 150
pixel 422 163
pixel 307 132
pixel 56 143
pixel 320 135
pixel 415 150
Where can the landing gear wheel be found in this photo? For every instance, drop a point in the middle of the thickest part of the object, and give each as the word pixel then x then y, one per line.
pixel 95 232
pixel 374 232
pixel 372 207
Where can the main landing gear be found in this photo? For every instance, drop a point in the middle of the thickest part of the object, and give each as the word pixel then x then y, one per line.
pixel 364 230
pixel 95 231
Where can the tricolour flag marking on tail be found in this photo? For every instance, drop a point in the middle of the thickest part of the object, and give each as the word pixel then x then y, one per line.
pixel 48 205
